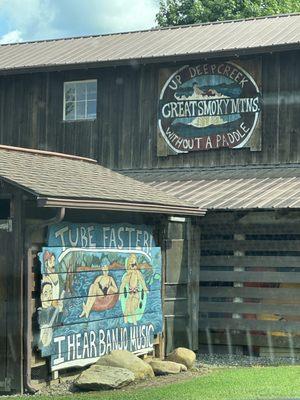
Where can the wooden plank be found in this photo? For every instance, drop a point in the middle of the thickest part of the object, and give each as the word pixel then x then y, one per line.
pixel 6 262
pixel 75 321
pixel 177 306
pixel 134 345
pixel 13 279
pixel 175 291
pixel 251 308
pixel 241 339
pixel 193 235
pixel 160 237
pixel 176 259
pixel 251 261
pixel 286 109
pixel 251 245
pixel 279 228
pixel 244 324
pixel 176 332
pixel 245 276
pixel 271 109
pixel 295 115
pixel 182 281
pixel 251 292
pixel 176 230
pixel 259 218
pixel 66 297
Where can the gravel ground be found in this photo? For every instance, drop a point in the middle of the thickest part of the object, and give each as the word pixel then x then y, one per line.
pixel 225 360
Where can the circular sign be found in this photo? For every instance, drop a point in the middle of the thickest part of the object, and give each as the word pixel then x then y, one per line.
pixel 208 106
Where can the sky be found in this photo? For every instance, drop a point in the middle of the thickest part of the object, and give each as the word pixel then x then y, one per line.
pixel 26 20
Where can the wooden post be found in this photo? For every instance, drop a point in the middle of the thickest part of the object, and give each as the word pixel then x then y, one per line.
pixel 160 347
pixel 193 243
pixel 238 253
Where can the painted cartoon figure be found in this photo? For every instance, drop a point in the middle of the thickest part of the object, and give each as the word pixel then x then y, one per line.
pixel 101 294
pixel 133 291
pixel 51 276
pixel 48 313
pixel 51 299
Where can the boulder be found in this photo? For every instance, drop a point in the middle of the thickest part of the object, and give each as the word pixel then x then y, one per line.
pixel 98 377
pixel 184 356
pixel 125 359
pixel 166 367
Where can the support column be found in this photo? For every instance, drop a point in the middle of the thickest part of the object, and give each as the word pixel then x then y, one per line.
pixel 238 253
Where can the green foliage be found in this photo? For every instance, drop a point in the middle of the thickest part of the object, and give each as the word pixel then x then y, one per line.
pixel 183 12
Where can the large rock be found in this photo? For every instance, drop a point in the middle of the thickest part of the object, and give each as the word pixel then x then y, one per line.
pixel 184 356
pixel 98 377
pixel 166 367
pixel 125 359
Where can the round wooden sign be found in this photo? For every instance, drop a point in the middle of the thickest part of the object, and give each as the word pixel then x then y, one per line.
pixel 208 106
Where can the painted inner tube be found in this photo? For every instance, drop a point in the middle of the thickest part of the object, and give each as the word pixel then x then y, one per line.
pixel 103 303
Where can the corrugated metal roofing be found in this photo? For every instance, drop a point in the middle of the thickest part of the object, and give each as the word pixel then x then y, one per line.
pixel 59 176
pixel 209 40
pixel 266 187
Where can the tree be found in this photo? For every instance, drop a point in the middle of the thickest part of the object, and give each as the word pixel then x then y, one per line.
pixel 183 12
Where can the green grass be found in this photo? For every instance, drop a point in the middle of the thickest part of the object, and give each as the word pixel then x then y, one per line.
pixel 223 384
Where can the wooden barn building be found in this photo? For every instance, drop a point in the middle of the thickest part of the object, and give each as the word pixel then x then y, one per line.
pixel 197 195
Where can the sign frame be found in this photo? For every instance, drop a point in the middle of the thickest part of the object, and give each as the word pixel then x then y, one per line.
pixel 165 140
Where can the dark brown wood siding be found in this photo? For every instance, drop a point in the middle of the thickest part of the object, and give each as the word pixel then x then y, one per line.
pixel 11 295
pixel 124 135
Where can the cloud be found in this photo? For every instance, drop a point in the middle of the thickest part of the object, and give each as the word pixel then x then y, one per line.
pixel 11 37
pixel 43 19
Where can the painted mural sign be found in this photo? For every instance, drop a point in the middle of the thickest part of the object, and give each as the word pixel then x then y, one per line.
pixel 208 106
pixel 100 291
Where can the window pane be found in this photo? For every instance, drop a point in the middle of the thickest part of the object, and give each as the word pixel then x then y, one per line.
pixel 80 110
pixel 91 109
pixel 80 91
pixel 80 100
pixel 69 92
pixel 92 90
pixel 70 110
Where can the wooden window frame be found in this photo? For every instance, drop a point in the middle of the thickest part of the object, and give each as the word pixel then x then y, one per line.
pixel 86 118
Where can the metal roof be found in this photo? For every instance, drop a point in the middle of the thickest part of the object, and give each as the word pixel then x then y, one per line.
pixel 203 40
pixel 74 182
pixel 234 188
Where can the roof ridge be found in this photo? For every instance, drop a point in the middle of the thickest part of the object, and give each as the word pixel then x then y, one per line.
pixel 46 153
pixel 173 27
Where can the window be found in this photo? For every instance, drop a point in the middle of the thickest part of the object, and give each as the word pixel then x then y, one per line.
pixel 80 100
pixel 4 209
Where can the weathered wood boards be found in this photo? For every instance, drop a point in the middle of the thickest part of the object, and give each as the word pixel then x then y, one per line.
pixel 181 296
pixel 124 135
pixel 267 298
pixel 11 295
pixel 97 299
